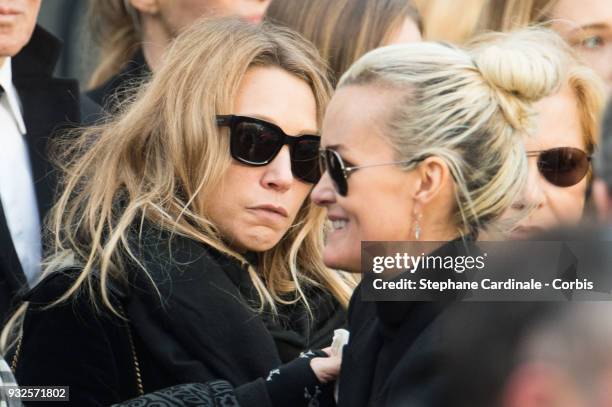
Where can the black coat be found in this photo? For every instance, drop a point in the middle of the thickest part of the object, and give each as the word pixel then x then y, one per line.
pixel 48 103
pixel 394 354
pixel 200 330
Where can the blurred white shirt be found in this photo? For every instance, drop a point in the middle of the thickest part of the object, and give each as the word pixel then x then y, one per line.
pixel 17 192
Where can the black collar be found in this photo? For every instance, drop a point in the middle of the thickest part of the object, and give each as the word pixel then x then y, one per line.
pixel 393 313
pixel 39 56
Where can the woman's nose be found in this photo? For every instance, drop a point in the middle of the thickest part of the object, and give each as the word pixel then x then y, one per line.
pixel 323 193
pixel 277 174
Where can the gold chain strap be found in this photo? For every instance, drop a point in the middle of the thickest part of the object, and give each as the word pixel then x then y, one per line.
pixel 16 355
pixel 139 384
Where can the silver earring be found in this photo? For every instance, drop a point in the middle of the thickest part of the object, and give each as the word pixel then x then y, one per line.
pixel 417 225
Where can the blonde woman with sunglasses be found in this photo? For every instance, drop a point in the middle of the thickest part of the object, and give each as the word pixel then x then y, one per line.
pixel 185 248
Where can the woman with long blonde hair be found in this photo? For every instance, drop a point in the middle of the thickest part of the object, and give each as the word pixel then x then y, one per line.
pixel 184 246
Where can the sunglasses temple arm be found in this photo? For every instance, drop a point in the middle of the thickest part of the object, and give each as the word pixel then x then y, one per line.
pixel 348 170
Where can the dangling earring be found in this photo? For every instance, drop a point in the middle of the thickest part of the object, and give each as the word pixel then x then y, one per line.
pixel 417 225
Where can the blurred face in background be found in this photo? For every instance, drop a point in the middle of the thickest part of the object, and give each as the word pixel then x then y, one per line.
pixel 17 22
pixel 544 385
pixel 255 206
pixel 162 20
pixel 587 26
pixel 182 13
pixel 549 205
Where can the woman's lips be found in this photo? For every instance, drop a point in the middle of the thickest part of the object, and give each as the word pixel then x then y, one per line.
pixel 269 212
pixel 337 222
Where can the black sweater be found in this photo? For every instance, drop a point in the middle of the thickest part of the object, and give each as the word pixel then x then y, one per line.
pixel 394 355
pixel 200 330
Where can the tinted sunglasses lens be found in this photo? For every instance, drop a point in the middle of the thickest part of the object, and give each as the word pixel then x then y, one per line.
pixel 304 160
pixel 563 167
pixel 334 168
pixel 254 143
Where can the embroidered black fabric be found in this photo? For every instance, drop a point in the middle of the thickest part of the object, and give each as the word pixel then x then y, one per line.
pixel 217 393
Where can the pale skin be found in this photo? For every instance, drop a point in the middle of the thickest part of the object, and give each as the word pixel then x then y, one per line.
pixel 558 125
pixel 237 208
pixel 354 127
pixel 17 22
pixel 406 33
pixel 587 25
pixel 162 20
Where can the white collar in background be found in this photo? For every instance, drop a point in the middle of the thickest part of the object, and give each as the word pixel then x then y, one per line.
pixel 11 102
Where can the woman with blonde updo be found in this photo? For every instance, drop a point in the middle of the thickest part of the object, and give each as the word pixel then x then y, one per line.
pixel 423 142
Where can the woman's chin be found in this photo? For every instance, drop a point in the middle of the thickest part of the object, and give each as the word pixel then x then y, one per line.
pixel 336 258
pixel 257 242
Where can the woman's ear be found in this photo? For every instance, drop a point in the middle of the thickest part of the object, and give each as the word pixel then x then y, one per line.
pixel 145 6
pixel 434 177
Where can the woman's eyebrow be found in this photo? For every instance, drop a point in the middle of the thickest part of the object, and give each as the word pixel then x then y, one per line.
pixel 272 121
pixel 591 26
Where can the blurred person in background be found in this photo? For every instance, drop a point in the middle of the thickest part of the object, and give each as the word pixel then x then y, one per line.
pixel 185 248
pixel 33 105
pixel 422 142
pixel 529 354
pixel 133 35
pixel 586 25
pixel 559 153
pixel 344 30
pixel 602 186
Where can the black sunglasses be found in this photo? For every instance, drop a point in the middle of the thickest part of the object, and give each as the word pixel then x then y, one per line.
pixel 257 142
pixel 563 166
pixel 332 162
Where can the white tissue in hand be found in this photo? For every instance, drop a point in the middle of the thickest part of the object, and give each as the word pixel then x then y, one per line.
pixel 341 337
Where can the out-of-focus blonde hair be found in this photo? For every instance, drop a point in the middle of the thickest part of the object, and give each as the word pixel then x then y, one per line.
pixel 450 20
pixel 471 108
pixel 508 15
pixel 115 29
pixel 343 30
pixel 458 21
pixel 161 157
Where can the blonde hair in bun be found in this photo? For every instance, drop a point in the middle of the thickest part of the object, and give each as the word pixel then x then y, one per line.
pixel 471 107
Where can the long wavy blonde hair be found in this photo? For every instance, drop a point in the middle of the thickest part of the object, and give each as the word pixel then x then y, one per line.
pixel 160 158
